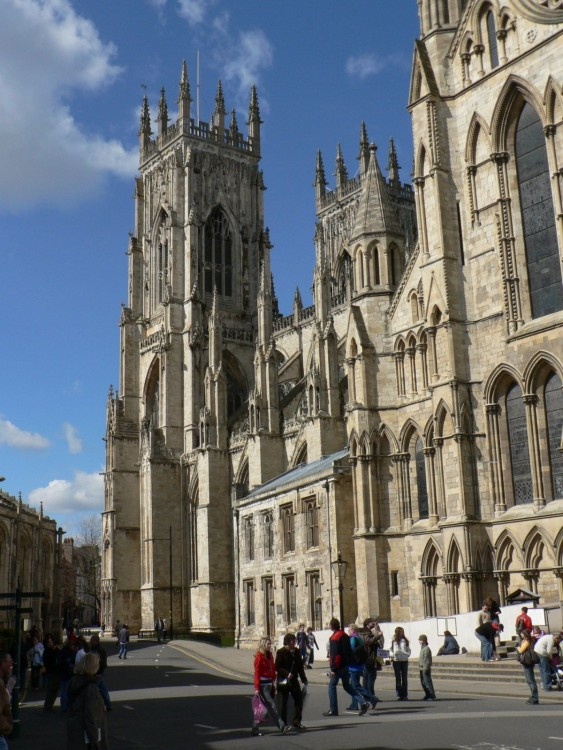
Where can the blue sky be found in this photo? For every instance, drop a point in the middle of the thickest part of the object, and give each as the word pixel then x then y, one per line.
pixel 72 74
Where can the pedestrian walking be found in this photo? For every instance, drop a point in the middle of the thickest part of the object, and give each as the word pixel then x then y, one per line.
pixel 264 687
pixel 123 641
pixel 289 669
pixel 311 646
pixel 528 659
pixel 159 628
pixel 425 667
pixel 303 643
pixel 97 648
pixel 357 665
pixel 86 723
pixel 340 657
pixel 374 640
pixel 51 679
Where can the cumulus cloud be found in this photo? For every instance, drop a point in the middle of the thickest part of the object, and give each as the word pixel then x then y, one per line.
pixel 48 52
pixel 193 11
pixel 85 493
pixel 14 437
pixel 244 60
pixel 72 439
pixel 362 66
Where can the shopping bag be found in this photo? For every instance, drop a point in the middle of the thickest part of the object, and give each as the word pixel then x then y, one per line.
pixel 259 710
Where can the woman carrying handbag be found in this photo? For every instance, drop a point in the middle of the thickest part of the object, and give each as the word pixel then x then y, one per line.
pixel 528 659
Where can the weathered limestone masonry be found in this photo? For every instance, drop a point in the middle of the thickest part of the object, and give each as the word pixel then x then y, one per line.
pixel 411 419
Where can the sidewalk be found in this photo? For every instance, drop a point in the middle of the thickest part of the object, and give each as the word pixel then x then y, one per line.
pixel 238 664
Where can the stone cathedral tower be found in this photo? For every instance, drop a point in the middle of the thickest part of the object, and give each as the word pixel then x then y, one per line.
pixel 409 422
pixel 199 298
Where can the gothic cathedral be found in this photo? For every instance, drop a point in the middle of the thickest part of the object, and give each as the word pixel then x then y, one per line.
pixel 395 449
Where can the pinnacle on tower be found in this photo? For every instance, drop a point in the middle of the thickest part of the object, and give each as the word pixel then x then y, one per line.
pixel 218 117
pixel 145 126
pixel 162 113
pixel 233 128
pixel 254 121
pixel 320 179
pixel 393 164
pixel 363 156
pixel 341 172
pixel 184 97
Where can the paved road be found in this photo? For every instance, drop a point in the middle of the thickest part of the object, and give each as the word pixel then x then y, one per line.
pixel 166 700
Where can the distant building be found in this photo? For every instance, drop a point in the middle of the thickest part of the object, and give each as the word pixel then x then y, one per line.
pixel 411 418
pixel 30 547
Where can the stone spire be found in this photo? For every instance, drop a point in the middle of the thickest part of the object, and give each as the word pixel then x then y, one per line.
pixel 254 121
pixel 218 118
pixel 184 98
pixel 145 131
pixel 233 128
pixel 162 113
pixel 320 180
pixel 341 172
pixel 393 164
pixel 363 156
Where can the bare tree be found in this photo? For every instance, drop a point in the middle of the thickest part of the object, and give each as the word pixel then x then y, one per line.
pixel 88 549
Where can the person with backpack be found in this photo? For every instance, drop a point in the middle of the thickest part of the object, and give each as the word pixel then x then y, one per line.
pixel 374 640
pixel 340 656
pixel 357 665
pixel 523 622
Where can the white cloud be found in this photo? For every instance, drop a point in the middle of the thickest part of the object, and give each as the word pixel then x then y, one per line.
pixel 85 493
pixel 193 11
pixel 14 437
pixel 73 440
pixel 47 52
pixel 245 59
pixel 362 66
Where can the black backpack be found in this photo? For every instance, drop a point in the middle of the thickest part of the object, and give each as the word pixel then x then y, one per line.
pixel 359 651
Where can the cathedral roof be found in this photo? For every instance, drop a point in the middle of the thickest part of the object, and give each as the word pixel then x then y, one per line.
pixel 299 476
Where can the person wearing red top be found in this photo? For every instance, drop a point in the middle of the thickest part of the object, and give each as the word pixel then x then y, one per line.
pixel 264 678
pixel 523 622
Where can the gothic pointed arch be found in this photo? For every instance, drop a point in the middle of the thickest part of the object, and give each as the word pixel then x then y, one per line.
pixel 478 130
pixel 514 94
pixel 421 161
pixel 507 556
pixel 219 253
pixel 151 394
pixel 387 436
pixel 454 559
pixel 412 441
pixel 553 98
pixel 431 573
pixel 537 549
pixel 300 455
pixel 242 479
pixel 538 368
pixel 160 258
pixel 237 385
pixel 498 379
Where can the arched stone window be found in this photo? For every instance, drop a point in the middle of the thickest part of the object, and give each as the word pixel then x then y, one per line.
pixel 492 39
pixel 538 216
pixel 553 397
pixel 218 255
pixel 519 448
pixel 421 486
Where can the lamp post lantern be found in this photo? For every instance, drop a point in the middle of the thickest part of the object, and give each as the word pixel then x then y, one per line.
pixel 339 571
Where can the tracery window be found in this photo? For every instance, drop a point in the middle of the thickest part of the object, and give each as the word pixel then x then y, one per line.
pixel 519 449
pixel 554 418
pixel 538 216
pixel 421 480
pixel 218 255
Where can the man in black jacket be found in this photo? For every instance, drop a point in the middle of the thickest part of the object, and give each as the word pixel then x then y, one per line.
pixel 289 668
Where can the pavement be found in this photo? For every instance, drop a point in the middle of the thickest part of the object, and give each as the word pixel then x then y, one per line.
pixel 238 664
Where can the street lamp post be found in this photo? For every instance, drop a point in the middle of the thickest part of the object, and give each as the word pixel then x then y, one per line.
pixel 169 540
pixel 339 570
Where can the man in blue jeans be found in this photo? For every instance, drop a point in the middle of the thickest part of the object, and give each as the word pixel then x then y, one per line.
pixel 545 648
pixel 123 642
pixel 486 634
pixel 340 655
